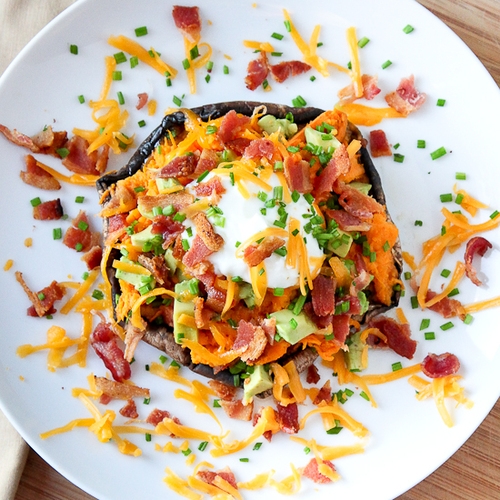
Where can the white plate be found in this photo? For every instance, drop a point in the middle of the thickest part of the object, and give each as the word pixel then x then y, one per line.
pixel 41 87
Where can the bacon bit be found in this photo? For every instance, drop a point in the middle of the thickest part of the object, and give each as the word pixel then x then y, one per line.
pixel 446 307
pixel 168 228
pixel 202 315
pixel 119 390
pixel 284 70
pixel 19 139
pixel 104 342
pixel 205 231
pixel 297 173
pixel 341 326
pixel 379 146
pixel 210 187
pixel 208 161
pixel 268 434
pixel 78 160
pixel 49 141
pixel 132 338
pixel 197 253
pixel 157 416
pixel 102 159
pixel 209 476
pixel 179 200
pixel 406 98
pixel 475 246
pixel 93 257
pixel 48 210
pixel 180 166
pixel 255 253
pixel 223 391
pixel 398 336
pixel 260 148
pixel 313 376
pixel 257 71
pixel 188 21
pixel 38 177
pixel 44 306
pixel 440 365
pixel 288 418
pixel 251 340
pixel 312 472
pixel 323 295
pixel 77 236
pixel 116 227
pixel 142 100
pixel 339 165
pixel 237 410
pixel 157 266
pixel 324 394
pixel 129 410
pixel 370 89
pixel 231 126
pixel 269 327
pixel 357 203
pixel 347 221
pixel 238 145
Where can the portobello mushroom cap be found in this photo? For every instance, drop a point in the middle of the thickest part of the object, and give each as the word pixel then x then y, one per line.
pixel 162 337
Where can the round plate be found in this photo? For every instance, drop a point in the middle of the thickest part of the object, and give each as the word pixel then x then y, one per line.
pixel 42 87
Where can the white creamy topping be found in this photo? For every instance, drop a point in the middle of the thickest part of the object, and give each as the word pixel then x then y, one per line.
pixel 243 219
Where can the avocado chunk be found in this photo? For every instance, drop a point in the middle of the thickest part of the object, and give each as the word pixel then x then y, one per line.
pixel 271 124
pixel 245 292
pixel 354 357
pixel 363 187
pixel 292 327
pixel 324 141
pixel 259 381
pixel 141 238
pixel 341 244
pixel 135 279
pixel 184 304
pixel 165 185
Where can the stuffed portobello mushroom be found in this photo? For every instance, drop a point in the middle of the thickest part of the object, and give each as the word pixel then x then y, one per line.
pixel 241 236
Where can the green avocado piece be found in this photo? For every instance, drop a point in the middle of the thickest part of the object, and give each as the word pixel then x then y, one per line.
pixel 245 292
pixel 166 184
pixel 317 138
pixel 292 327
pixel 341 244
pixel 141 238
pixel 138 280
pixel 259 381
pixel 353 357
pixel 270 124
pixel 363 187
pixel 184 304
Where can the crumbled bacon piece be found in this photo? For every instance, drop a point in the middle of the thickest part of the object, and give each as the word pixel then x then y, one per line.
pixel 337 166
pixel 398 336
pixel 49 141
pixel 237 410
pixel 370 89
pixel 475 246
pixel 104 342
pixel 284 70
pixel 168 228
pixel 157 416
pixel 324 394
pixel 257 71
pixel 269 327
pixel 216 298
pixel 255 253
pixel 142 100
pixel 223 391
pixel 78 160
pixel 347 221
pixel 48 210
pixel 117 225
pixel 180 166
pixel 440 365
pixel 297 173
pixel 288 418
pixel 202 315
pixel 132 338
pixel 119 390
pixel 80 235
pixel 446 307
pixel 251 340
pixel 206 232
pixel 188 21
pixel 379 145
pixel 341 326
pixel 129 410
pixel 19 139
pixel 357 203
pixel 406 98
pixel 157 266
pixel 178 200
pixel 43 301
pixel 231 126
pixel 313 376
pixel 93 257
pixel 260 148
pixel 37 176
pixel 323 295
pixel 209 476
pixel 197 253
pixel 208 161
pixel 210 187
pixel 312 472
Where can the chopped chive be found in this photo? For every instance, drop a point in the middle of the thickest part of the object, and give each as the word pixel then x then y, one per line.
pixel 446 197
pixel 97 294
pixel 194 52
pixel 202 176
pixel 79 199
pixel 78 247
pixel 307 450
pixel 209 66
pixel 211 129
pixel 146 401
pixel 141 31
pixel 288 26
pixel 185 64
pixel 386 64
pixel 134 61
pixel 57 233
pixel 73 49
pixel 494 214
pixel 163 359
pixel 116 76
pixel 120 57
pixel 438 153
pixel 146 367
pixel 299 102
pixel 277 54
pixel 407 275
pixel 141 123
pixel 421 144
pixel 225 70
pixel 231 178
pixel 295 196
pixel 445 273
pixel 447 326
pixel 425 323
pixel 257 446
pixel 312 79
pixel 85 275
pixel 399 158
pixel 460 176
pixel 81 99
pixel 441 102
pixel 174 364
pixel 397 366
pixel 334 430
pixel 185 244
pixel 396 146
pixel 147 437
pixel 363 42
pixel 176 100
pixel 418 223
pixel 62 152
pixel 429 336
pixel 121 99
pixel 277 36
pixel 364 395
pixel 207 78
pixel 244 460
pixel 408 29
pixel 278 292
pixel 203 446
pixel 454 292
pixel 468 319
pixel 83 226
pixel 414 302
pixel 187 452
pixel 168 83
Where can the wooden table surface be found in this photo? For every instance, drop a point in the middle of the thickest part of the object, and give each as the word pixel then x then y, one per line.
pixel 473 473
